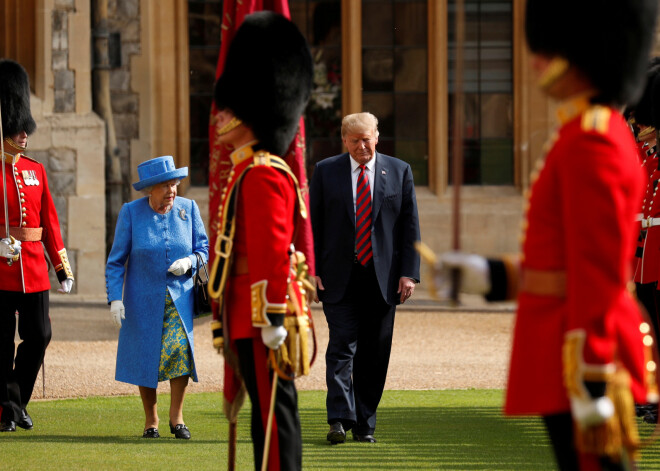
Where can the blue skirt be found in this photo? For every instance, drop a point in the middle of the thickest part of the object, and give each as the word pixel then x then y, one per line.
pixel 175 355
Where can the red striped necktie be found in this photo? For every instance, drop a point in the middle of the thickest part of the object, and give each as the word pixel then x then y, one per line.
pixel 363 218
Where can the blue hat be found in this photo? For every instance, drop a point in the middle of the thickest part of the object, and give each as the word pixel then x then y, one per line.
pixel 158 170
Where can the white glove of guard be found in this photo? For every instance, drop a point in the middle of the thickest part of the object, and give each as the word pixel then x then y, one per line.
pixel 117 312
pixel 66 286
pixel 179 267
pixel 273 336
pixel 475 273
pixel 9 250
pixel 591 412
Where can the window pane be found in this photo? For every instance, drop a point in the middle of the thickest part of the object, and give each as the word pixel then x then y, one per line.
pixel 410 75
pixel 377 24
pixel 204 19
pixel 320 22
pixel 488 87
pixel 410 23
pixel 377 69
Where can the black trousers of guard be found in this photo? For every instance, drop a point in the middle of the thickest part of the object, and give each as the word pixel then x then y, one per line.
pixel 560 431
pixel 17 375
pixel 286 440
pixel 648 296
pixel 358 355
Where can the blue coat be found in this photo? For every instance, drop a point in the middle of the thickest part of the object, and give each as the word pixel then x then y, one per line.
pixel 146 243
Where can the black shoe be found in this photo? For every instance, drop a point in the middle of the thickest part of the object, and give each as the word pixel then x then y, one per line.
pixel 651 417
pixel 180 431
pixel 336 433
pixel 151 433
pixel 364 438
pixel 25 421
pixel 9 426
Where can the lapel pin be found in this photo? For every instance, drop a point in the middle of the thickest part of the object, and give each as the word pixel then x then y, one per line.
pixel 182 214
pixel 383 172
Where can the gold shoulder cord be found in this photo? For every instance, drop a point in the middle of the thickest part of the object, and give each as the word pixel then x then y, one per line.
pixel 224 242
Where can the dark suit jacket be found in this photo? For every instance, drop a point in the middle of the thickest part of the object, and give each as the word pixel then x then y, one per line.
pixel 395 225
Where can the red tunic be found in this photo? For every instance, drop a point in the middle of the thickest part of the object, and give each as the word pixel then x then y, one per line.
pixel 30 205
pixel 267 202
pixel 581 218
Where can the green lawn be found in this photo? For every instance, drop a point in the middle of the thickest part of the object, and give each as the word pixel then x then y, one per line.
pixel 444 430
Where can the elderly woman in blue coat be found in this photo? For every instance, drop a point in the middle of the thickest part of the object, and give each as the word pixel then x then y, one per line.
pixel 150 288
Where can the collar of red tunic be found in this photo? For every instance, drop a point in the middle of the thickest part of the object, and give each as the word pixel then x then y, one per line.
pixel 574 106
pixel 242 154
pixel 14 158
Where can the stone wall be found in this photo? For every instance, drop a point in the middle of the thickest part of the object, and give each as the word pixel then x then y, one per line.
pixel 124 17
pixel 70 143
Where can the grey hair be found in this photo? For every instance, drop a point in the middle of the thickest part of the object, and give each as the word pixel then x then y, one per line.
pixel 146 191
pixel 358 123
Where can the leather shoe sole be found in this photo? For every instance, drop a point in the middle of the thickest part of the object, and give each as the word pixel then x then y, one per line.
pixel 9 426
pixel 336 434
pixel 364 438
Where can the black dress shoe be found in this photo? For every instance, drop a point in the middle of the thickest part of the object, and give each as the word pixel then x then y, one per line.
pixel 336 433
pixel 180 431
pixel 8 426
pixel 364 438
pixel 25 421
pixel 151 433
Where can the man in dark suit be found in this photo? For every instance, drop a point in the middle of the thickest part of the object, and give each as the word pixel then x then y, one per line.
pixel 365 225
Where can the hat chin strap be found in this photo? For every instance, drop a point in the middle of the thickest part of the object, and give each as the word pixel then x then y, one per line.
pixel 14 144
pixel 555 70
pixel 231 125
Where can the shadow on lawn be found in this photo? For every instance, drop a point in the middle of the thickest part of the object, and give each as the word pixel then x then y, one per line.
pixel 434 438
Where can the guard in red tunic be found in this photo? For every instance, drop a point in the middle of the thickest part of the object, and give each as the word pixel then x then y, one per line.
pixel 33 226
pixel 578 356
pixel 647 261
pixel 260 97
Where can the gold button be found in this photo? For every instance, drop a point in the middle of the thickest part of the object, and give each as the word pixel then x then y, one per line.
pixel 22 194
pixel 24 223
pixel 22 200
pixel 20 186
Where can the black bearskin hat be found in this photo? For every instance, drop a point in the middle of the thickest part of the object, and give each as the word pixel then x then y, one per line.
pixel 655 109
pixel 267 79
pixel 642 111
pixel 15 99
pixel 607 40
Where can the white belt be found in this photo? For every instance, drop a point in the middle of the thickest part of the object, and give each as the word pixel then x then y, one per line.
pixel 650 222
pixel 639 216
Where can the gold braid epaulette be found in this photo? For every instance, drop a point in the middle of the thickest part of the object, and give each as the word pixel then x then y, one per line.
pixel 270 160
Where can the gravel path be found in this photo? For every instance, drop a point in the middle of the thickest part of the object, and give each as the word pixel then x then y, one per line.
pixel 432 349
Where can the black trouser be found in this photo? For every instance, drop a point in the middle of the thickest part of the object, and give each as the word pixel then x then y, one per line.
pixel 360 341
pixel 647 294
pixel 286 440
pixel 17 375
pixel 560 431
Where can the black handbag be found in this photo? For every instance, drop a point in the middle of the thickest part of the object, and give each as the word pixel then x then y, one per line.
pixel 200 289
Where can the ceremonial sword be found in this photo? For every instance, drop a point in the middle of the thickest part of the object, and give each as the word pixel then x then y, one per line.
pixel 4 184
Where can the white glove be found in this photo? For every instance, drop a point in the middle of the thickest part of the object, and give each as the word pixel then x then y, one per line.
pixel 66 286
pixel 591 412
pixel 273 336
pixel 117 312
pixel 9 250
pixel 475 273
pixel 179 267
